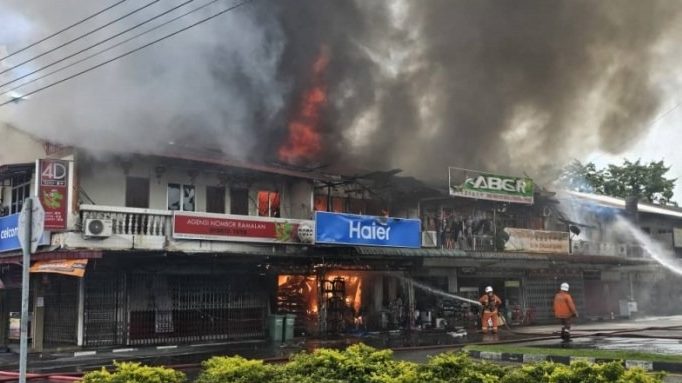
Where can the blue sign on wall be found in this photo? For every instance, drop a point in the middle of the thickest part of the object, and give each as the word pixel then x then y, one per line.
pixel 9 234
pixel 351 229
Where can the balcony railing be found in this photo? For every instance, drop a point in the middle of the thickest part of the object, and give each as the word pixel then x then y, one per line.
pixel 607 249
pixel 432 238
pixel 130 221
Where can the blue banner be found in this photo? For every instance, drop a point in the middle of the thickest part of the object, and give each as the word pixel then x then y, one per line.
pixel 9 234
pixel 351 229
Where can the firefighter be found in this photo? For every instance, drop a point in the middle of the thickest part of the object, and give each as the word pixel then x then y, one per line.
pixel 490 303
pixel 564 310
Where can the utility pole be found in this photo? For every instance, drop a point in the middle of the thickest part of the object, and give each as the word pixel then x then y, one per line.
pixel 26 263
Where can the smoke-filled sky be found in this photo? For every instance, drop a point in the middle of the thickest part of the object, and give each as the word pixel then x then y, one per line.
pixel 507 86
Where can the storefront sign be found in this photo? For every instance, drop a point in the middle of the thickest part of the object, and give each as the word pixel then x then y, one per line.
pixel 470 184
pixel 9 234
pixel 351 229
pixel 239 228
pixel 53 189
pixel 537 241
pixel 70 267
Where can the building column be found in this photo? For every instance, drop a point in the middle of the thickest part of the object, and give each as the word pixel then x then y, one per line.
pixel 4 320
pixel 453 285
pixel 378 294
pixel 80 332
pixel 38 322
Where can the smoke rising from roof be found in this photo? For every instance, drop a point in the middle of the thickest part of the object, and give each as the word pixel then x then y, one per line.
pixel 502 86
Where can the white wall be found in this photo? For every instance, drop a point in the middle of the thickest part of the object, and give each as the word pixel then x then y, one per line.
pixel 104 182
pixel 18 147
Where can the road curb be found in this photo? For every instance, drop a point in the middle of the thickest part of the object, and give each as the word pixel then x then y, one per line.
pixel 535 358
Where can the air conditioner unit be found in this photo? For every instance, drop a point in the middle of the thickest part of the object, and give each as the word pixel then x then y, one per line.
pixel 429 238
pixel 98 228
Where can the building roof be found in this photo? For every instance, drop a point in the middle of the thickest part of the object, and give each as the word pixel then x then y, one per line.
pixel 619 203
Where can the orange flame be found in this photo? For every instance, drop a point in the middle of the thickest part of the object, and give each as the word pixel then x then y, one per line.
pixel 304 142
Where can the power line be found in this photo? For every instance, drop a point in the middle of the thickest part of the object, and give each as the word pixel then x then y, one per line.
pixel 96 44
pixel 229 9
pixel 81 36
pixel 63 30
pixel 105 50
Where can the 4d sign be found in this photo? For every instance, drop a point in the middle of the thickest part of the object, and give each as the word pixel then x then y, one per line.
pixel 490 187
pixel 53 189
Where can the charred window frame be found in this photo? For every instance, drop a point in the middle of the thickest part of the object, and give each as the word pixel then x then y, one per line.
pixel 137 192
pixel 181 197
pixel 268 203
pixel 21 189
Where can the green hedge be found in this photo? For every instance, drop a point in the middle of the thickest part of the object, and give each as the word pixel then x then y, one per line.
pixel 135 373
pixel 363 364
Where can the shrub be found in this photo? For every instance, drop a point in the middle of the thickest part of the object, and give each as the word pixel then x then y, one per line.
pixel 128 372
pixel 451 367
pixel 578 372
pixel 235 369
pixel 356 364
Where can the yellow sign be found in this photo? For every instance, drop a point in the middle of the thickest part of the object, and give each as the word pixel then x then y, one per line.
pixel 71 267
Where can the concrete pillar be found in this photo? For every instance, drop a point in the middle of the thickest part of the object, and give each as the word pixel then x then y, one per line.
pixel 378 294
pixel 392 289
pixel 4 320
pixel 81 312
pixel 452 282
pixel 38 323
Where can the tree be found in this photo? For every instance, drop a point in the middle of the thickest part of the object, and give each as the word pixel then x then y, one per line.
pixel 582 178
pixel 645 181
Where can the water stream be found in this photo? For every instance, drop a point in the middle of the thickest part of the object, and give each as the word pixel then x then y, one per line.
pixel 659 253
pixel 433 290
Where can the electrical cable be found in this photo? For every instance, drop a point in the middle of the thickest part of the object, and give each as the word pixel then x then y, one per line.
pixel 63 30
pixel 94 45
pixel 229 9
pixel 80 37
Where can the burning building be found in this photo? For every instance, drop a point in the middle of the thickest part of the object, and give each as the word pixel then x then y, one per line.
pixel 259 196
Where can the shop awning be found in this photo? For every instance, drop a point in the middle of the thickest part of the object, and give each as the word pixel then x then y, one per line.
pixel 71 267
pixel 9 171
pixel 15 257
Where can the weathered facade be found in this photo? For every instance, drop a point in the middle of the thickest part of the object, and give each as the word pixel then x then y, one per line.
pixel 187 246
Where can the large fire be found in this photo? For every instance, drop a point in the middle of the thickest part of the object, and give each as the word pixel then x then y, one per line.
pixel 303 142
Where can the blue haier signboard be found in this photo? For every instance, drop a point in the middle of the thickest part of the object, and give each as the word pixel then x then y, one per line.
pixel 9 234
pixel 351 229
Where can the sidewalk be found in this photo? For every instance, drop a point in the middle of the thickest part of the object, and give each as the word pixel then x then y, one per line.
pixel 78 360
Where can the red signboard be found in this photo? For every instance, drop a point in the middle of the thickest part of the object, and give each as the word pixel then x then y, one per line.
pixel 53 190
pixel 223 227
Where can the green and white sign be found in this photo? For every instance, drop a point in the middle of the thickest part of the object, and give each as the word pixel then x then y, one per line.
pixel 478 185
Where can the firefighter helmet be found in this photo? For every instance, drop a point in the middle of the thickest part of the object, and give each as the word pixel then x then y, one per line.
pixel 564 286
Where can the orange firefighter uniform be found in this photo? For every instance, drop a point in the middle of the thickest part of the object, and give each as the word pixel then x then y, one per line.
pixel 564 310
pixel 490 304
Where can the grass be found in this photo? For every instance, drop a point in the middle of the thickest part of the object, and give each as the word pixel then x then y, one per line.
pixel 578 352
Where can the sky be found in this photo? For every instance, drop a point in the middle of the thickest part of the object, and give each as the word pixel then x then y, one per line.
pixel 509 88
pixel 662 142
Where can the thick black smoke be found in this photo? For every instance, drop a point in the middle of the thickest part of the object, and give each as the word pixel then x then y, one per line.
pixel 504 86
pixel 509 86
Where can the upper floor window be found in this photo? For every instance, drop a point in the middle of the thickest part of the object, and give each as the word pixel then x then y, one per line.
pixel 215 199
pixel 21 189
pixel 181 197
pixel 268 204
pixel 239 201
pixel 137 192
